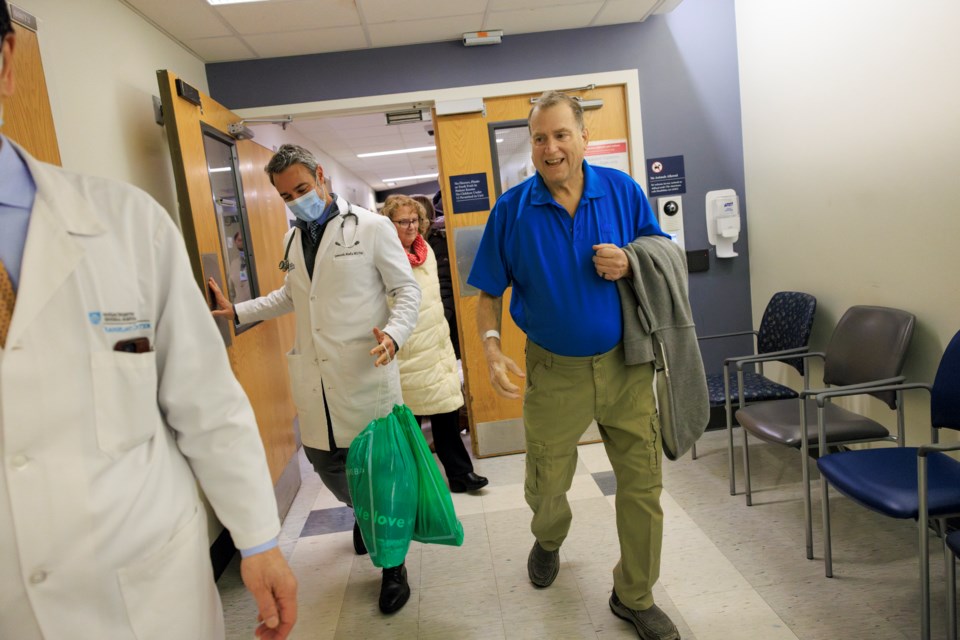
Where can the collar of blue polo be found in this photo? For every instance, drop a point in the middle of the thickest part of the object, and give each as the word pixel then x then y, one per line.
pixel 541 195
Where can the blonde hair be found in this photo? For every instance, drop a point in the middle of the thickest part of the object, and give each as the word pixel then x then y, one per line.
pixel 395 202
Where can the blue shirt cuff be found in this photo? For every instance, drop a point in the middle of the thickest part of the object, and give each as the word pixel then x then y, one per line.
pixel 260 548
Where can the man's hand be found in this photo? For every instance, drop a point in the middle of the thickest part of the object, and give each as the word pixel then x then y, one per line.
pixel 224 308
pixel 610 262
pixel 272 584
pixel 385 350
pixel 498 365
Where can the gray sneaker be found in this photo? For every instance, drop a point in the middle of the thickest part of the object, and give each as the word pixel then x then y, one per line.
pixel 651 624
pixel 543 565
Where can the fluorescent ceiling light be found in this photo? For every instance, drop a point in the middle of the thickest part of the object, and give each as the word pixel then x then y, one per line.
pixel 396 152
pixel 219 169
pixel 216 2
pixel 420 177
pixel 390 184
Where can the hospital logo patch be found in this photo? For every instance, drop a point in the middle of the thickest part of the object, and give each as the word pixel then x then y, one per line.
pixel 95 317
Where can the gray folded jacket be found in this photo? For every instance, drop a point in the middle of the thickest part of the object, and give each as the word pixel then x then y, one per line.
pixel 658 326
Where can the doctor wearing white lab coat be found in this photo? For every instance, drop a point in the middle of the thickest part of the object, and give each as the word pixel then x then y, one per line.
pixel 359 263
pixel 102 530
pixel 342 264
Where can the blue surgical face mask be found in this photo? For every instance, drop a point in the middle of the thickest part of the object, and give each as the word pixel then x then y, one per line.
pixel 308 207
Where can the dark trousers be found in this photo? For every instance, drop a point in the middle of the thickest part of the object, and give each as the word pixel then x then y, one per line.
pixel 331 466
pixel 446 440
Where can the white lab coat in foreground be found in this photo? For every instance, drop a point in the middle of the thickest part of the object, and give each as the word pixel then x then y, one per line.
pixel 102 533
pixel 360 262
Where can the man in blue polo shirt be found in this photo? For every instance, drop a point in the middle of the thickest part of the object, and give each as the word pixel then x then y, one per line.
pixel 556 239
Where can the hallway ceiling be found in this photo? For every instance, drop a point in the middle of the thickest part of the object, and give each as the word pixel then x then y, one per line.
pixel 276 28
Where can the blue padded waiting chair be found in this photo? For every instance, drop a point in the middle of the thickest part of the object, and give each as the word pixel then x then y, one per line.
pixel 907 482
pixel 784 329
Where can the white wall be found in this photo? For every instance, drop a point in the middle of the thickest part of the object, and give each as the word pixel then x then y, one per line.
pixel 851 125
pixel 100 59
pixel 345 183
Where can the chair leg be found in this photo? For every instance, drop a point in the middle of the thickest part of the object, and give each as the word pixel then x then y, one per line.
pixel 746 469
pixel 693 451
pixel 807 506
pixel 729 414
pixel 805 475
pixel 827 548
pixel 951 591
pixel 924 578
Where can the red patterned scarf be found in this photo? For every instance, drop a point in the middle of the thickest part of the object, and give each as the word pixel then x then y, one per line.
pixel 419 249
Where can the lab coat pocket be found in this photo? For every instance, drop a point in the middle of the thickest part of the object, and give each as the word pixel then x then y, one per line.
pixel 125 399
pixel 170 593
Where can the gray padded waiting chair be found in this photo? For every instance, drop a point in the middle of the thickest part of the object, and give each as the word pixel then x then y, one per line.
pixel 867 349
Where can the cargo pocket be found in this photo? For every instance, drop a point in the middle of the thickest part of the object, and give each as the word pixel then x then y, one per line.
pixel 549 471
pixel 124 399
pixel 656 445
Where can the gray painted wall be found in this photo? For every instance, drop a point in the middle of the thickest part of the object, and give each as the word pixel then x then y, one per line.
pixel 689 93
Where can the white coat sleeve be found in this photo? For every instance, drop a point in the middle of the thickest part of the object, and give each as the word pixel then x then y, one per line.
pixel 273 305
pixel 399 281
pixel 202 402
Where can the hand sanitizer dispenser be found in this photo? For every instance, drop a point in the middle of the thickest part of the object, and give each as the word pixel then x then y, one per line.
pixel 723 221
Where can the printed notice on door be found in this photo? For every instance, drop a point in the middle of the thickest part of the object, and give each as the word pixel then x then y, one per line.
pixel 470 193
pixel 608 153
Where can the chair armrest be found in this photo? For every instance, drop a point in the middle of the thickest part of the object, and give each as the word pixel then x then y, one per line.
pixel 925 449
pixel 727 335
pixel 887 384
pixel 768 358
pixel 773 355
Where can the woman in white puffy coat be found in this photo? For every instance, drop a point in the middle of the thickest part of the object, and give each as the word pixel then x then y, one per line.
pixel 429 379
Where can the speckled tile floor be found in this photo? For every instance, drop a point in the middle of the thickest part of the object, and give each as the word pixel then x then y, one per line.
pixel 729 571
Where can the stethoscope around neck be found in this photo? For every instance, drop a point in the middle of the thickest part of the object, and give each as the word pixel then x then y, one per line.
pixel 287 266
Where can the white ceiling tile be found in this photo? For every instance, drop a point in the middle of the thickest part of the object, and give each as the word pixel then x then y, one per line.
pixel 306 42
pixel 508 5
pixel 183 19
pixel 623 11
pixel 537 20
pixel 425 30
pixel 221 49
pixel 377 11
pixel 299 15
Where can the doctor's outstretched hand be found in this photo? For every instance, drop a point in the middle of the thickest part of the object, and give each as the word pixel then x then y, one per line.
pixel 272 584
pixel 224 308
pixel 385 350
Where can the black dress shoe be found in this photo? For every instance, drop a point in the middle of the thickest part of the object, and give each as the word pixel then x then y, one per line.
pixel 467 482
pixel 651 624
pixel 358 544
pixel 394 590
pixel 543 566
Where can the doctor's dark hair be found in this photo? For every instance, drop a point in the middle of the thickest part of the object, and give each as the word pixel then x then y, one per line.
pixel 6 26
pixel 553 98
pixel 287 156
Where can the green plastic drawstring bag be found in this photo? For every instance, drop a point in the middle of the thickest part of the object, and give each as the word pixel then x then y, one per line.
pixel 383 485
pixel 437 521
